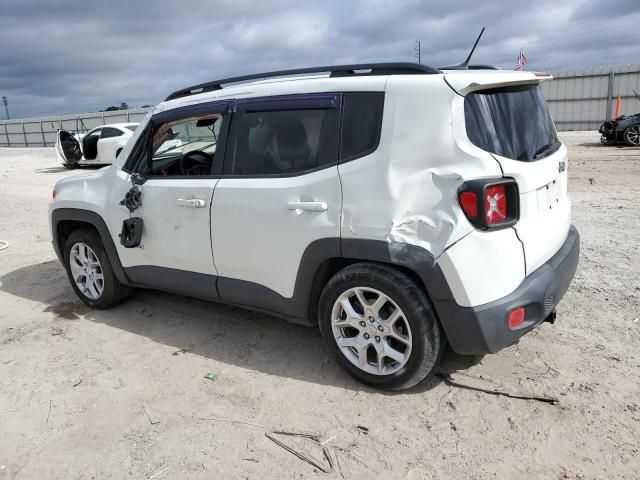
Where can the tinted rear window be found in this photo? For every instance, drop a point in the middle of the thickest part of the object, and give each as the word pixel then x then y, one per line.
pixel 361 122
pixel 513 122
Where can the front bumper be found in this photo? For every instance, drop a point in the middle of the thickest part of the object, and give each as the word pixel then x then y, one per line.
pixel 484 329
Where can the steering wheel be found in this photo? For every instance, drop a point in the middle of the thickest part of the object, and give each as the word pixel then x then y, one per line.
pixel 196 163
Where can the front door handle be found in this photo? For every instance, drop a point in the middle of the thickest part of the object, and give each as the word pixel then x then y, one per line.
pixel 309 206
pixel 191 202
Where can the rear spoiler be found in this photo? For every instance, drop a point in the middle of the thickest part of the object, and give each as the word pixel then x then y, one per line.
pixel 465 82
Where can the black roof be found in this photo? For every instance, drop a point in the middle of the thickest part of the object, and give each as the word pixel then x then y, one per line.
pixel 365 69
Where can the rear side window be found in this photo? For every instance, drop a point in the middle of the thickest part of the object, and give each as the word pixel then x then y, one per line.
pixel 284 142
pixel 513 122
pixel 361 123
pixel 109 132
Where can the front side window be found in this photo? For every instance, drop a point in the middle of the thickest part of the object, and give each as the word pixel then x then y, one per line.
pixel 513 122
pixel 185 147
pixel 284 142
pixel 94 133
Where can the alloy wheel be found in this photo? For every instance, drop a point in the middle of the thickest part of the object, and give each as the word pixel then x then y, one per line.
pixel 371 331
pixel 86 270
pixel 632 135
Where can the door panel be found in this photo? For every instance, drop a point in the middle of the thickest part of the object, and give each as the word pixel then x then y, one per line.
pixel 175 246
pixel 107 149
pixel 259 235
pixel 176 230
pixel 67 147
pixel 283 192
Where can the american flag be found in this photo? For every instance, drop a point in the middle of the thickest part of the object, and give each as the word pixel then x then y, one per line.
pixel 522 60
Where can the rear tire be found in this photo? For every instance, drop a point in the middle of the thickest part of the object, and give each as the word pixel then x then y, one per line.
pixel 90 272
pixel 380 326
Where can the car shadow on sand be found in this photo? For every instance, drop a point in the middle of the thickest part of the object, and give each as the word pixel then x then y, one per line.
pixel 51 170
pixel 223 333
pixel 61 169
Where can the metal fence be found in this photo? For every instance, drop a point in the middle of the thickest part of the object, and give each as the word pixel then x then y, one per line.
pixel 41 131
pixel 583 98
pixel 579 99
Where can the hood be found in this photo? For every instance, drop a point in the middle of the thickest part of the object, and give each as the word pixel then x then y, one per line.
pixel 84 176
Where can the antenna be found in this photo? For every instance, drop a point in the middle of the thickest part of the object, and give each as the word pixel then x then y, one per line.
pixel 466 62
pixel 465 65
pixel 418 50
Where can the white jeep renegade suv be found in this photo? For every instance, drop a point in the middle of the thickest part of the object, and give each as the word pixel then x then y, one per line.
pixel 397 206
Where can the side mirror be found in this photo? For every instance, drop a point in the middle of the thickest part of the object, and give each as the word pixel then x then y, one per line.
pixel 136 179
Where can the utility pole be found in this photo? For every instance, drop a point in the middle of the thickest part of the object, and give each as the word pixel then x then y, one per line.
pixel 6 106
pixel 418 50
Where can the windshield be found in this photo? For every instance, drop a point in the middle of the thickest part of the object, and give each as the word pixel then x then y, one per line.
pixel 513 122
pixel 132 127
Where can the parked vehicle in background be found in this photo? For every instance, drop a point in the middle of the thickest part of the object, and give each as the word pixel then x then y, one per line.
pixel 398 207
pixel 96 147
pixel 624 129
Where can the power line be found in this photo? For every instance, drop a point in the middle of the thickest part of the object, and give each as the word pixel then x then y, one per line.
pixel 498 46
pixel 555 47
pixel 591 32
pixel 6 107
pixel 597 20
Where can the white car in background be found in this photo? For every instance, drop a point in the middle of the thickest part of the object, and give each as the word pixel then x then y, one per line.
pixel 98 146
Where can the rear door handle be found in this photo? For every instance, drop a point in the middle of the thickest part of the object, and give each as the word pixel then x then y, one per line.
pixel 191 202
pixel 309 206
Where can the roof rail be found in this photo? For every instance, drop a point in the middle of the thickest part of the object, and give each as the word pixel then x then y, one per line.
pixel 364 69
pixel 470 67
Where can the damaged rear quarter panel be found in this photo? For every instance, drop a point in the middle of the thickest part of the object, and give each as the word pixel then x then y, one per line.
pixel 406 191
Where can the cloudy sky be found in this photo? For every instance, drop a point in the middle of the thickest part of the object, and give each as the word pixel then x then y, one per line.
pixel 70 56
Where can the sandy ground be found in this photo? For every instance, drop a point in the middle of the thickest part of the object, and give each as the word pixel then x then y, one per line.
pixel 75 383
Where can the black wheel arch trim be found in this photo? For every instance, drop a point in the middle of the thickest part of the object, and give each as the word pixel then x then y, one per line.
pixel 89 217
pixel 469 330
pixel 301 307
pixel 412 257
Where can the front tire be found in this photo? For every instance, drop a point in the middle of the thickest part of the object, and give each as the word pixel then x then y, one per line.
pixel 632 135
pixel 90 271
pixel 380 325
pixel 70 165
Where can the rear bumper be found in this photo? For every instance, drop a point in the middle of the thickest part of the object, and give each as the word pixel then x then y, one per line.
pixel 484 329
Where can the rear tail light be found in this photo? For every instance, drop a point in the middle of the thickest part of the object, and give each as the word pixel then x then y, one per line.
pixel 490 203
pixel 469 202
pixel 495 204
